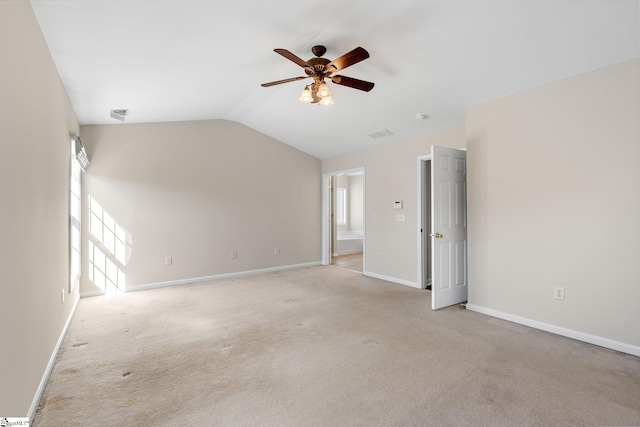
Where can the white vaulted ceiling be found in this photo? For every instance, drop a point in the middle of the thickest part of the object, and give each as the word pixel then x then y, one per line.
pixel 173 60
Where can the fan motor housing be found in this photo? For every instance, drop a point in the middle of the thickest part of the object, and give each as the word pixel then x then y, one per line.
pixel 319 66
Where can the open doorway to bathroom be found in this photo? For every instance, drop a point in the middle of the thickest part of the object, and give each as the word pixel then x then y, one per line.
pixel 344 232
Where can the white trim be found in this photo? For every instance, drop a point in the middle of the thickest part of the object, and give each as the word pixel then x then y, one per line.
pixel 201 279
pixel 91 294
pixel 215 277
pixel 558 330
pixel 351 171
pixel 393 279
pixel 52 361
pixel 73 282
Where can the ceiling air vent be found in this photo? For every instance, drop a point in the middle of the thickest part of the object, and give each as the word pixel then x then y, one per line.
pixel 381 134
pixel 119 114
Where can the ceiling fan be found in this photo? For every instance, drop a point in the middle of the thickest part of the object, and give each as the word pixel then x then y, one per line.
pixel 320 69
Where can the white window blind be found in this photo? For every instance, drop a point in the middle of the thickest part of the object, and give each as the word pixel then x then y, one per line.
pixel 341 206
pixel 80 153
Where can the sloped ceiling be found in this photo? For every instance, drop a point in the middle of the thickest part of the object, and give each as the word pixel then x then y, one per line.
pixel 172 60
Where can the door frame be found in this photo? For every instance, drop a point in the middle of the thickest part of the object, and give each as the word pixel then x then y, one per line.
pixel 422 236
pixel 326 214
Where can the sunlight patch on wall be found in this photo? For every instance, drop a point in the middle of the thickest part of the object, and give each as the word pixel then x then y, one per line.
pixel 107 249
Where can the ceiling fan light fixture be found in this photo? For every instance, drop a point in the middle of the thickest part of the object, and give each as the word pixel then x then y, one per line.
pixel 320 69
pixel 323 90
pixel 326 100
pixel 306 95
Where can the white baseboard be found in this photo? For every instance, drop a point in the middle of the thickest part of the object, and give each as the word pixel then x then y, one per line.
pixel 393 279
pixel 558 330
pixel 91 294
pixel 215 277
pixel 52 361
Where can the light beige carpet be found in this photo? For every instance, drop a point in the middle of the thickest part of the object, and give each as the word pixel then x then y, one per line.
pixel 323 346
pixel 349 261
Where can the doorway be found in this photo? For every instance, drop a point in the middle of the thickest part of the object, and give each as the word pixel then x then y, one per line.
pixel 426 269
pixel 343 225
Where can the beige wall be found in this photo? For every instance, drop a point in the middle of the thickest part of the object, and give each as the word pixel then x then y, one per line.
pixel 391 173
pixel 554 200
pixel 35 120
pixel 196 191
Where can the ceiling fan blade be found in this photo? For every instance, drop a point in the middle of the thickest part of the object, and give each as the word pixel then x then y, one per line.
pixel 351 82
pixel 348 59
pixel 279 82
pixel 291 57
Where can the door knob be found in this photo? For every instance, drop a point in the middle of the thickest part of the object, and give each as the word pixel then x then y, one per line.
pixel 437 235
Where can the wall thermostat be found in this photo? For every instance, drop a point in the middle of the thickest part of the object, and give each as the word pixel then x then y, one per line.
pixel 397 205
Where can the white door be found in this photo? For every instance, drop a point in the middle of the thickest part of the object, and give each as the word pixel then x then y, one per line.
pixel 449 226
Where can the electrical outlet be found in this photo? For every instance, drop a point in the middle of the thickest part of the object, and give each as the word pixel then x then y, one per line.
pixel 276 251
pixel 558 293
pixel 168 260
pixel 62 296
pixel 234 255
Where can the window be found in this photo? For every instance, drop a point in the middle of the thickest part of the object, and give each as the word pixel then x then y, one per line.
pixel 74 218
pixel 341 206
